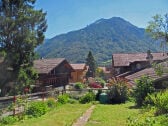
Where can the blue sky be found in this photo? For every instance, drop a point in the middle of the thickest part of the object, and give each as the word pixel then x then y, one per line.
pixel 67 15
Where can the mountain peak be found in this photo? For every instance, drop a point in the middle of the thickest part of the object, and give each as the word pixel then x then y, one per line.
pixel 103 37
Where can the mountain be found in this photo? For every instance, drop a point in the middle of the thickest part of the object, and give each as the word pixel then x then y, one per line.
pixel 103 37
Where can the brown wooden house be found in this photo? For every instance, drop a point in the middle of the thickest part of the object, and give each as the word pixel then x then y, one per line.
pixel 160 82
pixel 79 72
pixel 133 62
pixel 55 72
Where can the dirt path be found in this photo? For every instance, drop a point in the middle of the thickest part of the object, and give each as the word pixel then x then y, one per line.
pixel 84 118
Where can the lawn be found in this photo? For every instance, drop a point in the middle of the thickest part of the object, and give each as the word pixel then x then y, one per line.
pixel 112 115
pixel 62 116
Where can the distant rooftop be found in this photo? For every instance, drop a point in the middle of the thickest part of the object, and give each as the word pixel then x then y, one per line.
pixel 46 65
pixel 125 59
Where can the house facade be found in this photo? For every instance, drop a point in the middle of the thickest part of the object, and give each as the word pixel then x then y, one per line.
pixel 79 72
pixel 54 72
pixel 133 62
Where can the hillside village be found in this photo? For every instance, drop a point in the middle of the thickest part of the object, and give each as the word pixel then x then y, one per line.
pixel 109 73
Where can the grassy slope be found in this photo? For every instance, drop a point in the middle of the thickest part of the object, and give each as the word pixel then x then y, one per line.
pixel 63 116
pixel 112 115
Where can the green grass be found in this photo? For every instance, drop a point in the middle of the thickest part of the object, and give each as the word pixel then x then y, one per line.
pixel 64 115
pixel 112 115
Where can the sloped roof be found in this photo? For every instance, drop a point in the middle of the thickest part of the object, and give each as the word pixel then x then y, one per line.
pixel 78 66
pixel 148 72
pixel 46 65
pixel 125 59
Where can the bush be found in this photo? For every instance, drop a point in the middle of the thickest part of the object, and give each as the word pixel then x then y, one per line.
pixel 118 90
pixel 72 101
pixel 79 85
pixel 37 109
pixel 87 98
pixel 95 85
pixel 9 120
pixel 100 81
pixel 51 102
pixel 144 86
pixel 160 101
pixel 63 99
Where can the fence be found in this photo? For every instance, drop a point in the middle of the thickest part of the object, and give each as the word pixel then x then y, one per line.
pixel 5 102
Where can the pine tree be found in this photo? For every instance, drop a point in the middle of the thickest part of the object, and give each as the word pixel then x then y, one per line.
pixel 21 31
pixel 90 62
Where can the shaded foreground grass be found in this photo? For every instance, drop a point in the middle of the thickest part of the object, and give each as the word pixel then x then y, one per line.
pixel 112 115
pixel 64 115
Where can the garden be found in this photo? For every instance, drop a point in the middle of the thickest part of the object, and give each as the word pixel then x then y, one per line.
pixel 119 105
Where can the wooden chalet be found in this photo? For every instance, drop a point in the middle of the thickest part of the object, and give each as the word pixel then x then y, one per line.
pixel 55 72
pixel 133 62
pixel 79 72
pixel 160 82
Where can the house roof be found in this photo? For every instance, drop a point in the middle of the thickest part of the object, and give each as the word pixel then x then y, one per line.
pixel 78 66
pixel 123 59
pixel 148 72
pixel 46 65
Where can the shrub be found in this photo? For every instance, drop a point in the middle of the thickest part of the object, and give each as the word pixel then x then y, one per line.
pixel 160 101
pixel 79 85
pixel 63 99
pixel 51 102
pixel 87 98
pixel 144 86
pixel 118 90
pixel 72 101
pixel 9 120
pixel 37 109
pixel 95 85
pixel 100 81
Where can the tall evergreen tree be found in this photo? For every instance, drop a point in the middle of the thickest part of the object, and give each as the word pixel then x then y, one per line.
pixel 21 31
pixel 90 62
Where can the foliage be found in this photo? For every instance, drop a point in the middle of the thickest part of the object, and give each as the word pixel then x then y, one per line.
pixel 101 81
pixel 144 86
pixel 36 109
pixel 95 85
pixel 26 26
pixel 118 90
pixel 158 29
pixel 51 103
pixel 90 96
pixel 72 101
pixel 99 72
pixel 79 85
pixel 90 62
pixel 8 120
pixel 63 99
pixel 160 101
pixel 145 122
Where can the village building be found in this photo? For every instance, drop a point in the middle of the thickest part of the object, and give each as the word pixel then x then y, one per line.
pixel 160 82
pixel 79 72
pixel 124 64
pixel 53 72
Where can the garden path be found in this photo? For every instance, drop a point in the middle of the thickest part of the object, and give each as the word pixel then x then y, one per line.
pixel 84 118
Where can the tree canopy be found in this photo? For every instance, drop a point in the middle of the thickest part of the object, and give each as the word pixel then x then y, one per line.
pixel 90 61
pixel 158 28
pixel 22 29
